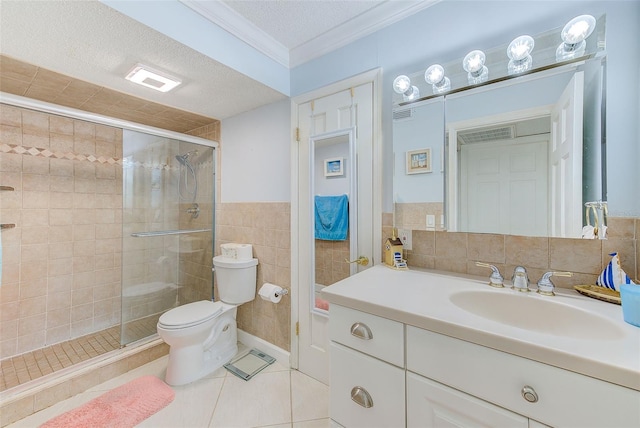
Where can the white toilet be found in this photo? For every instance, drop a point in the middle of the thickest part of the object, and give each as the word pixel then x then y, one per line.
pixel 202 336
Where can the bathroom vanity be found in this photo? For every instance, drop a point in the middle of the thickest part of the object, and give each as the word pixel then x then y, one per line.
pixel 417 348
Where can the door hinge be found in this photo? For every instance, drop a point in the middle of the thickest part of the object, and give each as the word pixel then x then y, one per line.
pixel 298 135
pixel 297 328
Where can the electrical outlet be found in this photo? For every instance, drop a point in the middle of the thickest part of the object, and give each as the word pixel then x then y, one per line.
pixel 405 237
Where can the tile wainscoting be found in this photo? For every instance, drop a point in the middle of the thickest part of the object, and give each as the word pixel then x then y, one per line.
pixel 458 251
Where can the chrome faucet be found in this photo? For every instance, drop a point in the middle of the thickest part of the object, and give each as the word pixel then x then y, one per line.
pixel 520 279
pixel 495 280
pixel 545 286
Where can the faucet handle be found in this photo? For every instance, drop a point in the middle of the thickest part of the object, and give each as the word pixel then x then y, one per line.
pixel 545 286
pixel 495 280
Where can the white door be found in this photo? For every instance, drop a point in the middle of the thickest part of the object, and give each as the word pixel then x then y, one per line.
pixel 349 109
pixel 503 187
pixel 565 161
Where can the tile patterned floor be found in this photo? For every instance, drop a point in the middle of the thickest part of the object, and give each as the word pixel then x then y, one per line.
pixel 32 365
pixel 277 397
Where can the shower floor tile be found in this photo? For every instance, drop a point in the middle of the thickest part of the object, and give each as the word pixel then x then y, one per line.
pixel 23 368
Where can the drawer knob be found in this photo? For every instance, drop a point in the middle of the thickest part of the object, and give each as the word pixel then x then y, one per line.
pixel 361 331
pixel 529 394
pixel 361 396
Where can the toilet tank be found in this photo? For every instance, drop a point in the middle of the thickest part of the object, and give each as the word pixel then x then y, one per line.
pixel 236 279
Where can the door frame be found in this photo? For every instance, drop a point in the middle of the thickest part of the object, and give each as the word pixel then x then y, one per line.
pixel 375 77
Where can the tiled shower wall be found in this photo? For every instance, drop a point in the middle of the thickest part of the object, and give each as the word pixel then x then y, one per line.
pixel 61 263
pixel 458 252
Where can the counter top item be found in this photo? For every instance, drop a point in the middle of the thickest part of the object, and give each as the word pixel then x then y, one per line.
pixel 568 330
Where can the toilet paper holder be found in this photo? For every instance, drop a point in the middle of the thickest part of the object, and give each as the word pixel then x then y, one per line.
pixel 282 292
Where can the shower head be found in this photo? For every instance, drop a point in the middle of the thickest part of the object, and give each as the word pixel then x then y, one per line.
pixel 184 158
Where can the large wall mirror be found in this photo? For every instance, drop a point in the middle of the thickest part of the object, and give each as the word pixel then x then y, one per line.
pixel 519 155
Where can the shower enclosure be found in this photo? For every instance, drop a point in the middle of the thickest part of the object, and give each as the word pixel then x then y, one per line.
pixel 167 245
pixel 106 224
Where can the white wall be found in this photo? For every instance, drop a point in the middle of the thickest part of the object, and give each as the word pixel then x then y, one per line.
pixel 255 155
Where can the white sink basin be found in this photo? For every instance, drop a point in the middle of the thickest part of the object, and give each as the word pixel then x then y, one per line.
pixel 537 313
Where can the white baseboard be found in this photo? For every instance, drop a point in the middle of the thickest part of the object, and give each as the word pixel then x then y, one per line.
pixel 255 342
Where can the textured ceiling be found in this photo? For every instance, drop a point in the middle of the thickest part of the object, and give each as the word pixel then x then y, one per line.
pixel 294 23
pixel 89 41
pixel 92 42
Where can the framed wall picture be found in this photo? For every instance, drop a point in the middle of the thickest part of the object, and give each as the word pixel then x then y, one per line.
pixel 334 167
pixel 419 161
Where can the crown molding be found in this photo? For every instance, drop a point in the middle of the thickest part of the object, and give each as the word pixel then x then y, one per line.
pixel 367 23
pixel 230 20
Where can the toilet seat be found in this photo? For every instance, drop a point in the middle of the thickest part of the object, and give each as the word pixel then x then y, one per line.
pixel 190 315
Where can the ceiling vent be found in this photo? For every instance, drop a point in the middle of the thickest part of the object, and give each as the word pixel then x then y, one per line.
pixel 403 114
pixel 151 78
pixel 487 134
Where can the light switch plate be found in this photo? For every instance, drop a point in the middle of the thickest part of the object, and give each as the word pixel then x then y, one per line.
pixel 431 222
pixel 405 237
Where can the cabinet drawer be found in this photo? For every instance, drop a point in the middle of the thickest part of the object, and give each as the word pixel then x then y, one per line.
pixel 382 384
pixel 376 336
pixel 499 378
pixel 432 404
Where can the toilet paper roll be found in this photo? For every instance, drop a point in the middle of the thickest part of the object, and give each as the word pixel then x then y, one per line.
pixel 270 292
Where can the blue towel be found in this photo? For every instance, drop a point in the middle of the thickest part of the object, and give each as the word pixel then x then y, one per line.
pixel 332 217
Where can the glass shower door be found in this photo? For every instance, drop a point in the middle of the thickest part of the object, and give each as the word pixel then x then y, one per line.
pixel 167 229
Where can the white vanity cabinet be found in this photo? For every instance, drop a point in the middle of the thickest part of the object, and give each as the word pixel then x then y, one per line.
pixel 547 394
pixel 367 369
pixel 388 374
pixel 432 404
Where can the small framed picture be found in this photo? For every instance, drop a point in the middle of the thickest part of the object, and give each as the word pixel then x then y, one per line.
pixel 334 167
pixel 419 161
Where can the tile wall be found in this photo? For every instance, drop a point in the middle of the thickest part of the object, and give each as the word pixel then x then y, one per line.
pixel 28 80
pixel 330 265
pixel 413 215
pixel 267 226
pixel 57 270
pixel 61 263
pixel 458 252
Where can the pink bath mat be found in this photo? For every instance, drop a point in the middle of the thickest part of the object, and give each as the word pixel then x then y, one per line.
pixel 124 406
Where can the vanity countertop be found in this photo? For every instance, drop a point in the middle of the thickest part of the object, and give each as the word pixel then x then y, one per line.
pixel 422 299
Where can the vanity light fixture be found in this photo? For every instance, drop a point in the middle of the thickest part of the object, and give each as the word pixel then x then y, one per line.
pixel 519 53
pixel 435 76
pixel 402 85
pixel 473 64
pixel 154 79
pixel 573 37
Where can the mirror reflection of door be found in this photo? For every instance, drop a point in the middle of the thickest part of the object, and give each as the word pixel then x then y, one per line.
pixel 335 223
pixel 518 172
pixel 330 126
pixel 503 178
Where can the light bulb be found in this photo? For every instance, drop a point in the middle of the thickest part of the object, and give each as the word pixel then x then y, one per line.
pixel 473 64
pixel 519 53
pixel 412 94
pixel 573 37
pixel 401 84
pixel 520 48
pixel 435 76
pixel 578 29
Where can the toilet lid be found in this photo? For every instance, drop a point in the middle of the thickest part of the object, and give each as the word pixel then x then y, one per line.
pixel 190 314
